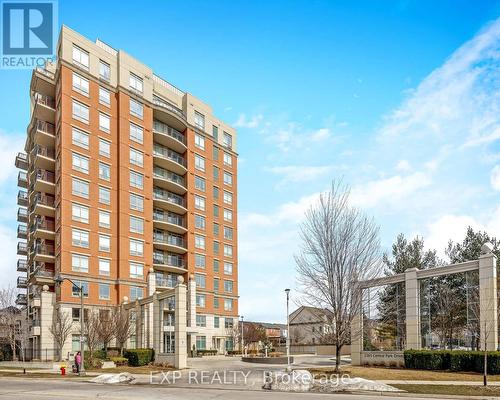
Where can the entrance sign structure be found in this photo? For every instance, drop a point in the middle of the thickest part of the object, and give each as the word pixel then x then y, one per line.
pixel 488 307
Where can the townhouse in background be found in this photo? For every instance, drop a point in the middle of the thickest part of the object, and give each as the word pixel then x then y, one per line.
pixel 126 183
pixel 310 325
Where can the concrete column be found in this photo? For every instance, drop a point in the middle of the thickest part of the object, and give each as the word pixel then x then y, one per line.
pixel 356 326
pixel 151 282
pixel 180 325
pixel 191 322
pixel 46 314
pixel 412 310
pixel 138 318
pixel 488 305
pixel 156 329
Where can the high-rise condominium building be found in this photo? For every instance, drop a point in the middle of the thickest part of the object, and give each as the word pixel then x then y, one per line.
pixel 126 183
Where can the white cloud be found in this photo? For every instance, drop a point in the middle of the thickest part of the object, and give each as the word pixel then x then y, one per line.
pixel 403 166
pixel 321 134
pixel 249 123
pixel 300 173
pixel 495 177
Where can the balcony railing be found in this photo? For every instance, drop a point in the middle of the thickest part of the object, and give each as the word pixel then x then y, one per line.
pixel 45 72
pixel 45 100
pixel 22 196
pixel 44 249
pixel 22 177
pixel 22 282
pixel 162 151
pixel 168 259
pixel 46 127
pixel 44 199
pixel 168 130
pixel 43 224
pixel 21 299
pixel 161 194
pixel 162 173
pixel 168 239
pixel 22 230
pixel 22 247
pixel 170 107
pixel 41 271
pixel 22 266
pixel 44 152
pixel 22 161
pixel 22 214
pixel 169 217
pixel 45 176
pixel 163 281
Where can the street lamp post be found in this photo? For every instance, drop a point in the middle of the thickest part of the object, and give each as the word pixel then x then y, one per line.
pixel 287 291
pixel 60 280
pixel 242 343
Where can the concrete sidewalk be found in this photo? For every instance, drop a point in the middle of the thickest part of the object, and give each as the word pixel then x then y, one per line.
pixel 456 383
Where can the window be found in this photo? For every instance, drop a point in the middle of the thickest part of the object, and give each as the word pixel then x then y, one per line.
pixel 199 120
pixel 80 188
pixel 216 285
pixel 216 192
pixel 200 281
pixel 104 148
pixel 135 83
pixel 80 213
pixel 136 248
pixel 228 233
pixel 216 247
pixel 199 141
pixel 216 322
pixel 136 180
pixel 76 289
pixel 215 133
pixel 136 202
pixel 79 238
pixel 201 342
pixel 228 160
pixel 216 210
pixel 104 292
pixel 79 263
pixel 216 173
pixel 104 266
pixel 104 96
pixel 104 219
pixel 75 339
pixel 136 133
pixel 199 222
pixel 200 300
pixel 228 215
pixel 104 243
pixel 228 305
pixel 199 242
pixel 228 286
pixel 228 250
pixel 136 157
pixel 80 112
pixel 80 163
pixel 104 171
pixel 136 270
pixel 104 195
pixel 75 315
pixel 80 138
pixel 80 57
pixel 228 178
pixel 104 70
pixel 199 203
pixel 216 265
pixel 104 122
pixel 228 197
pixel 216 302
pixel 199 183
pixel 136 293
pixel 136 224
pixel 228 323
pixel 80 84
pixel 228 268
pixel 199 261
pixel 136 108
pixel 227 140
pixel 201 320
pixel 199 162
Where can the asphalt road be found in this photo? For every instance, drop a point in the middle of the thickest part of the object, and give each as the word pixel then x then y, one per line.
pixel 26 389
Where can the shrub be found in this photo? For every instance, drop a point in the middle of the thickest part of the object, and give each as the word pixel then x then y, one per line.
pixel 275 354
pixel 119 361
pixel 99 354
pixel 234 353
pixel 139 357
pixel 94 364
pixel 207 352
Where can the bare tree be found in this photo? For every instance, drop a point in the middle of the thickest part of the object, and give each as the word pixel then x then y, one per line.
pixel 61 328
pixel 91 331
pixel 123 327
pixel 340 245
pixel 106 329
pixel 9 317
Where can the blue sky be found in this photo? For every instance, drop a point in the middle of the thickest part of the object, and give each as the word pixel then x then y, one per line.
pixel 398 98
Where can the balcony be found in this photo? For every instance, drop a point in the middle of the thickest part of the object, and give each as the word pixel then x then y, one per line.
pixel 22 266
pixel 165 281
pixel 170 242
pixel 22 214
pixel 169 159
pixel 168 200
pixel 44 133
pixel 41 274
pixel 22 198
pixel 42 80
pixel 36 303
pixel 22 179
pixel 21 300
pixel 44 181
pixel 170 221
pixel 22 249
pixel 169 262
pixel 44 252
pixel 22 231
pixel 43 204
pixel 43 228
pixel 45 107
pixel 169 114
pixel 169 180
pixel 22 282
pixel 22 161
pixel 168 136
pixel 44 157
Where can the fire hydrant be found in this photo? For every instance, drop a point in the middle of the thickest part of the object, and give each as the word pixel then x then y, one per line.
pixel 63 370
